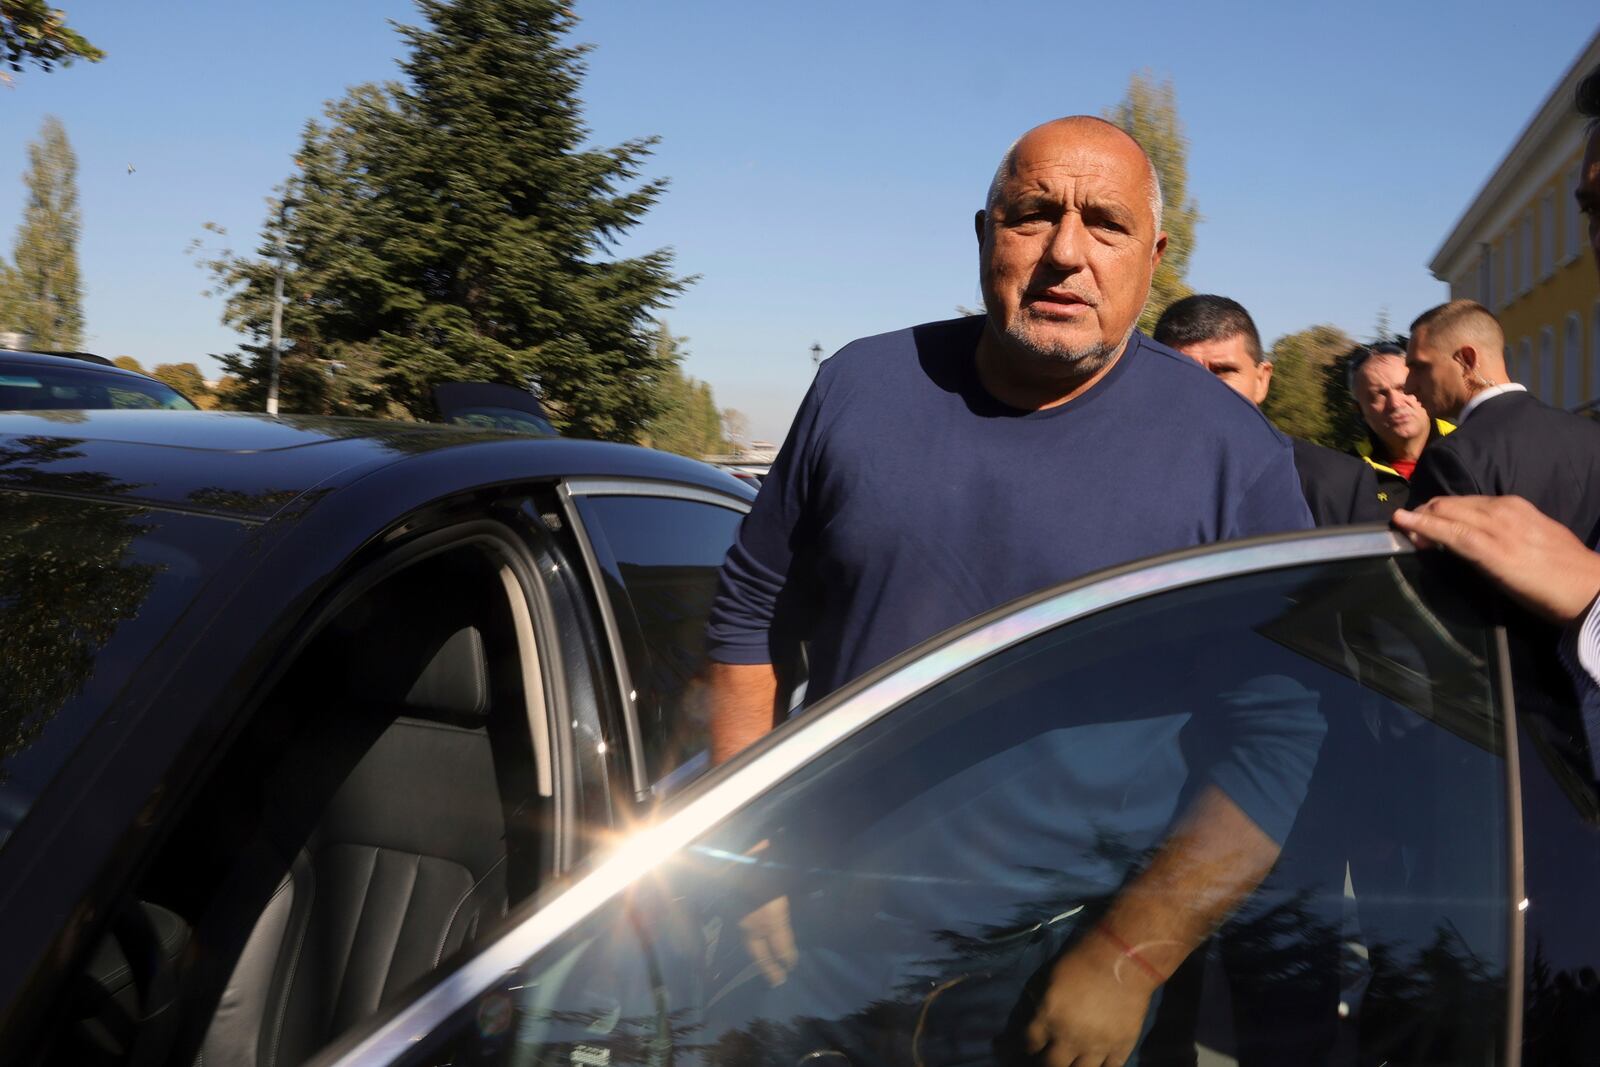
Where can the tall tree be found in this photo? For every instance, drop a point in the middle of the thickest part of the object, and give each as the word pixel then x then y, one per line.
pixel 1149 112
pixel 34 32
pixel 46 292
pixel 455 226
pixel 687 420
pixel 1297 402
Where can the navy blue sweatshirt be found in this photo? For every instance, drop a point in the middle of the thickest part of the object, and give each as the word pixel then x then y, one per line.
pixel 907 499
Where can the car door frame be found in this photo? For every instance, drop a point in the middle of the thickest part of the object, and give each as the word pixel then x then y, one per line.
pixel 749 775
pixel 622 628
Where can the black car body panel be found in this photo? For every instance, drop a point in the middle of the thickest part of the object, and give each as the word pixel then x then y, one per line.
pixel 251 466
pixel 289 506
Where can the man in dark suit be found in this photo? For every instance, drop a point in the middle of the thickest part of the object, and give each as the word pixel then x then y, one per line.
pixel 1219 334
pixel 1506 441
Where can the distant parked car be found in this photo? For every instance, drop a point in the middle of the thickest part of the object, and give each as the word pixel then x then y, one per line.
pixel 79 381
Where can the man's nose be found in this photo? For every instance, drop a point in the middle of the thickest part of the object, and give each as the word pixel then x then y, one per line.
pixel 1069 243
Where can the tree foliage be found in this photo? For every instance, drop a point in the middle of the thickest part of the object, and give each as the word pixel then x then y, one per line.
pixel 44 297
pixel 31 31
pixel 186 379
pixel 687 421
pixel 455 227
pixel 1149 112
pixel 1298 402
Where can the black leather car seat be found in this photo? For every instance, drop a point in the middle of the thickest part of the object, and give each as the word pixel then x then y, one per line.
pixel 402 865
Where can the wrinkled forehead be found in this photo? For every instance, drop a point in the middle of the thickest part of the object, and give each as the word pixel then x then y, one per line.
pixel 1384 369
pixel 1080 166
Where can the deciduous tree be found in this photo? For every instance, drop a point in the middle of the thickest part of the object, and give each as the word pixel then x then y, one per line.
pixel 1149 112
pixel 1298 401
pixel 31 31
pixel 46 291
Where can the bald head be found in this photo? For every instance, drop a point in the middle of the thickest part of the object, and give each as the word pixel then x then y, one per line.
pixel 1068 244
pixel 1090 127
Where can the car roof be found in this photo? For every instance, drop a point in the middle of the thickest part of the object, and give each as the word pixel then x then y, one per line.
pixel 93 365
pixel 249 466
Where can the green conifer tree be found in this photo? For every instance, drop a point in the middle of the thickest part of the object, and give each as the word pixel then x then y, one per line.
pixel 455 227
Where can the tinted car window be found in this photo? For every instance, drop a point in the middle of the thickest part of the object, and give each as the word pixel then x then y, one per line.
pixel 666 554
pixel 935 866
pixel 86 591
pixel 49 388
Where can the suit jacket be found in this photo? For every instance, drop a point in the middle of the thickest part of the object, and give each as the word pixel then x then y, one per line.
pixel 1339 489
pixel 1517 444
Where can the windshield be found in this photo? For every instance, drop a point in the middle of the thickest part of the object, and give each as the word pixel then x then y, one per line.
pixel 62 388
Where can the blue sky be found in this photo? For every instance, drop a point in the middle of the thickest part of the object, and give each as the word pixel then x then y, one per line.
pixel 826 158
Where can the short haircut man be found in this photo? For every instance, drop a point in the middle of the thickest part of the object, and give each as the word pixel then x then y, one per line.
pixel 1398 427
pixel 1219 334
pixel 937 472
pixel 1507 441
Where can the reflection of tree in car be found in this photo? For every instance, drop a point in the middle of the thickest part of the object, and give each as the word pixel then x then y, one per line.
pixel 69 584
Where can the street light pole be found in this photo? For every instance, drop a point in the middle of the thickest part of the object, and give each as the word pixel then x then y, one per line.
pixel 277 310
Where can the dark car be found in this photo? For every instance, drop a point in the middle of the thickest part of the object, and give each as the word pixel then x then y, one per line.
pixel 491 405
pixel 349 742
pixel 36 381
pixel 291 710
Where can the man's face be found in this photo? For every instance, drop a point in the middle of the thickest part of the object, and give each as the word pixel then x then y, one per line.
pixel 1230 360
pixel 1392 413
pixel 1068 248
pixel 1434 377
pixel 1588 192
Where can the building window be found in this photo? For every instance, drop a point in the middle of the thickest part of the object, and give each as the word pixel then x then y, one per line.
pixel 1525 262
pixel 1544 370
pixel 1547 236
pixel 1508 277
pixel 1574 218
pixel 1572 363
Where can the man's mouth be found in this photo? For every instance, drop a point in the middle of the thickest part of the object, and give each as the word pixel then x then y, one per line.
pixel 1058 303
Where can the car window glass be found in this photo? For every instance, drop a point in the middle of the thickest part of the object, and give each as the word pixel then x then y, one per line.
pixel 667 553
pixel 45 389
pixel 935 869
pixel 90 590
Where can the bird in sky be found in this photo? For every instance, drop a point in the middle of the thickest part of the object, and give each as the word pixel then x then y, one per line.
pixel 130 168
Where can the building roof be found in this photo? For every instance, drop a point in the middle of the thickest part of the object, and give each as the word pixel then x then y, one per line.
pixel 1556 111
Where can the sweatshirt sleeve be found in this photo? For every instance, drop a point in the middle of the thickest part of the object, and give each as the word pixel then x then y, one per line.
pixel 759 566
pixel 1274 502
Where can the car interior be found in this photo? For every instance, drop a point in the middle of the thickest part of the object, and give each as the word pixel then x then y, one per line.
pixel 382 808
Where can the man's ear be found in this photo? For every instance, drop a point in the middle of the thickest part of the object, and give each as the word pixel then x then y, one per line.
pixel 1467 358
pixel 1159 250
pixel 1263 382
pixel 977 225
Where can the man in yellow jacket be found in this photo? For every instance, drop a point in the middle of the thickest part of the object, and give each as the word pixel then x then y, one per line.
pixel 1398 428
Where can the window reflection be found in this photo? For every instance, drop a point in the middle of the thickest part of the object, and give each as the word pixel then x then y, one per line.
pixel 909 896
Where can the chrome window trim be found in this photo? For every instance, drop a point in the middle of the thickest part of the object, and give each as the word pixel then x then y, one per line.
pixel 840 717
pixel 670 490
pixel 626 691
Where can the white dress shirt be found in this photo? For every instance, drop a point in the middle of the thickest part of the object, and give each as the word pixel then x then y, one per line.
pixel 1492 391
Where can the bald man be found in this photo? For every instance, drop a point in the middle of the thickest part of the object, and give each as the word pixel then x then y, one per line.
pixel 1507 441
pixel 937 472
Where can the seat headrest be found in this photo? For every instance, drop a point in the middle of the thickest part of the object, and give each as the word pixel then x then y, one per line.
pixel 455 680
